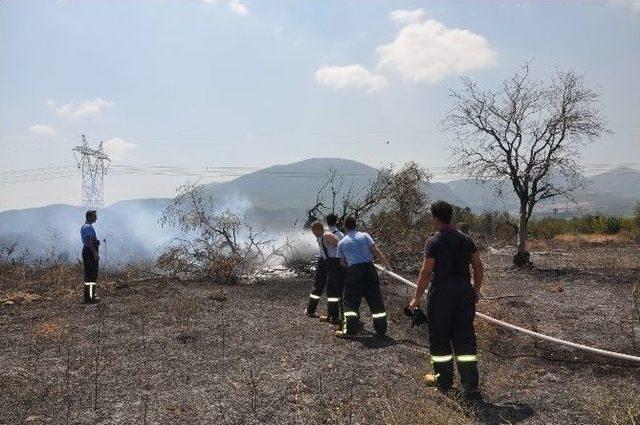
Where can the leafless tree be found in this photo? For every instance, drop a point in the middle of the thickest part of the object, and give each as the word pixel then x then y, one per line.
pixel 526 133
pixel 392 207
pixel 216 243
pixel 361 202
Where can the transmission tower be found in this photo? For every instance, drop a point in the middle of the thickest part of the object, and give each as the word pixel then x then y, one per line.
pixel 93 164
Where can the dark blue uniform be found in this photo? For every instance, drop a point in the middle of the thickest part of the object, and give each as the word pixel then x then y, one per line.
pixel 361 281
pixel 89 261
pixel 451 309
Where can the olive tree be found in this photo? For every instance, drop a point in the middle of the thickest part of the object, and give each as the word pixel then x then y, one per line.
pixel 528 134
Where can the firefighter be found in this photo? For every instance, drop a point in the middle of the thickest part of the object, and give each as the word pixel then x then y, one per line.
pixel 90 256
pixel 325 241
pixel 451 302
pixel 335 271
pixel 357 251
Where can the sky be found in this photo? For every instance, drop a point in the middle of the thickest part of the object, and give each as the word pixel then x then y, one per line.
pixel 207 89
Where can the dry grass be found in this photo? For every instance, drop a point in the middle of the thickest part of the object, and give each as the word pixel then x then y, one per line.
pixel 25 283
pixel 198 353
pixel 572 239
pixel 580 240
pixel 617 256
pixel 424 408
pixel 19 297
pixel 604 406
pixel 605 258
pixel 50 328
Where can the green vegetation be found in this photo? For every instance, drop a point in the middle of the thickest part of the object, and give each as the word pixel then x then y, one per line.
pixel 587 224
pixel 501 226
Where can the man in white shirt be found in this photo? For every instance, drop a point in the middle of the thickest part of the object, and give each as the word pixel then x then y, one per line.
pixel 326 241
pixel 335 271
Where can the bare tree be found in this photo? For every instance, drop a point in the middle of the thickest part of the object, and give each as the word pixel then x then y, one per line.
pixel 216 243
pixel 384 188
pixel 392 206
pixel 527 133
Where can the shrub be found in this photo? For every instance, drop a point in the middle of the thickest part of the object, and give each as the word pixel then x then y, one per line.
pixel 588 224
pixel 218 245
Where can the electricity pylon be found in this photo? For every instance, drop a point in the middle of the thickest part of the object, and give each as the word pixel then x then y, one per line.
pixel 93 164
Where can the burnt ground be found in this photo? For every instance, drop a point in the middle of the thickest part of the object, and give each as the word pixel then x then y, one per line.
pixel 194 353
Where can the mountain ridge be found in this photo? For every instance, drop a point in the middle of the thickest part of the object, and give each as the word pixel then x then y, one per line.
pixel 277 197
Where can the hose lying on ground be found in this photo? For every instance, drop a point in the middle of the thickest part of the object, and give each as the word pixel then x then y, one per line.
pixel 506 325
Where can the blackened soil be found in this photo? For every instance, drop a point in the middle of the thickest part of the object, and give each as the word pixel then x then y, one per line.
pixel 193 353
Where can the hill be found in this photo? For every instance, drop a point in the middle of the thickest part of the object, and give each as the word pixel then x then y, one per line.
pixel 276 198
pixel 614 192
pixel 292 185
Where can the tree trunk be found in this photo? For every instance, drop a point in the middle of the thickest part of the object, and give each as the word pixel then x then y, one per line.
pixel 522 256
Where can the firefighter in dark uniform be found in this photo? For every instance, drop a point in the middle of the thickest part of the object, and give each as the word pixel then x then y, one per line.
pixel 335 270
pixel 90 256
pixel 450 302
pixel 357 251
pixel 327 243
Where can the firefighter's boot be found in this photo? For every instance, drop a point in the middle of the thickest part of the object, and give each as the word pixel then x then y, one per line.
pixel 443 371
pixel 380 322
pixel 468 370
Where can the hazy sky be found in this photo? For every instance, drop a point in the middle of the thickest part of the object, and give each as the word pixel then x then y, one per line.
pixel 251 83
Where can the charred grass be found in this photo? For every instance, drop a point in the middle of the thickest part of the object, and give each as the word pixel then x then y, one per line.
pixel 190 353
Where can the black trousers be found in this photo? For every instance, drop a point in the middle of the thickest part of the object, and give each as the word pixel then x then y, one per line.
pixel 362 281
pixel 319 283
pixel 450 310
pixel 335 287
pixel 90 264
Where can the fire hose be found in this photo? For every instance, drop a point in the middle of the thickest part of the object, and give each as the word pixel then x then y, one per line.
pixel 538 335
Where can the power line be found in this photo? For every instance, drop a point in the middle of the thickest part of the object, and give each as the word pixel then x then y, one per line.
pixel 220 172
pixel 249 168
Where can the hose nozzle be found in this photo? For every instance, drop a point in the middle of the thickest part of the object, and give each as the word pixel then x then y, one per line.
pixel 417 315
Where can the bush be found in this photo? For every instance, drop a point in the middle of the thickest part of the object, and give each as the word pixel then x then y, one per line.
pixel 218 245
pixel 392 207
pixel 488 227
pixel 550 227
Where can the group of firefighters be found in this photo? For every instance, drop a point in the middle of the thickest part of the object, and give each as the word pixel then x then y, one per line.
pixel 346 272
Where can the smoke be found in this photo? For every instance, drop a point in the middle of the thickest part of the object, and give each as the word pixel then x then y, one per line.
pixel 296 245
pixel 129 231
pixel 236 203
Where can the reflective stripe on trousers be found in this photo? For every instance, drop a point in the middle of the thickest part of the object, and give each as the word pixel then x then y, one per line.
pixel 345 321
pixel 441 359
pixel 90 285
pixel 467 358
